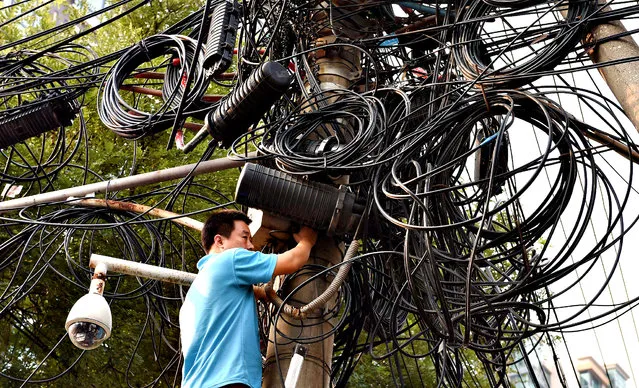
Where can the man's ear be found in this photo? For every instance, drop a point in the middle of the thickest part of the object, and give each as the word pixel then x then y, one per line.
pixel 217 240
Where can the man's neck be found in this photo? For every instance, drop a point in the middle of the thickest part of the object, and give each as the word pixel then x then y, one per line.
pixel 215 251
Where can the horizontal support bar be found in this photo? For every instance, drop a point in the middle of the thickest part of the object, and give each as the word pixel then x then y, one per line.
pixel 123 183
pixel 148 271
pixel 139 208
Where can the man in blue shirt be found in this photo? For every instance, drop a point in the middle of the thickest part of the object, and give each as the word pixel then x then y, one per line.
pixel 218 320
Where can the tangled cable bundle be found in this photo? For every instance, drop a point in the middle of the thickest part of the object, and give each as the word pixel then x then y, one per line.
pixel 132 121
pixel 515 58
pixel 495 187
pixel 175 80
pixel 348 134
pixel 42 94
pixel 471 245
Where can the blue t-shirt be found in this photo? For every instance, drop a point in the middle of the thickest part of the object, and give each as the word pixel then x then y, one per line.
pixel 218 320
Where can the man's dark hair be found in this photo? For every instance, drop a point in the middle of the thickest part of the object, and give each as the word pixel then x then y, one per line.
pixel 221 222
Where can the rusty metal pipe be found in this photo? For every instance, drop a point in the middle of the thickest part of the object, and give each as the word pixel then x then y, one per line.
pixel 157 75
pixel 158 92
pixel 123 183
pixel 142 90
pixel 138 208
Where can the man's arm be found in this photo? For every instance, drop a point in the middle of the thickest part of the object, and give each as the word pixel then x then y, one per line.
pixel 293 259
pixel 259 293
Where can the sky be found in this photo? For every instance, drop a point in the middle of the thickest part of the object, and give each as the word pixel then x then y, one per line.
pixel 616 342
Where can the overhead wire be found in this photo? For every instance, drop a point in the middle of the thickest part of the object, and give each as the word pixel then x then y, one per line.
pixel 470 167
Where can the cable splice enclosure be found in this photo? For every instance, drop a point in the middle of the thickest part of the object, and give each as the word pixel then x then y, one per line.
pixel 248 102
pixel 221 38
pixel 318 205
pixel 34 120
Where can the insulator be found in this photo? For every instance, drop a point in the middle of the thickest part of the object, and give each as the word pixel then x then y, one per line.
pixel 318 205
pixel 248 102
pixel 222 35
pixel 33 121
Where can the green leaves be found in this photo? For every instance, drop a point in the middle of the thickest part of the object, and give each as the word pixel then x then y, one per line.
pixel 45 270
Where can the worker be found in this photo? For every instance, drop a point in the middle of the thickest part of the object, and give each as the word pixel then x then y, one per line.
pixel 218 320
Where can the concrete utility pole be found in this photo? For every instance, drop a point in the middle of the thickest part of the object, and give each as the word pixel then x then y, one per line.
pixel 339 67
pixel 316 370
pixel 612 43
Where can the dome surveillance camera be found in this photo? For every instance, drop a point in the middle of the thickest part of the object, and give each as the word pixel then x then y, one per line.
pixel 89 322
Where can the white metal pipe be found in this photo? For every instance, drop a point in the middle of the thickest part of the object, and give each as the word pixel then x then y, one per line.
pixel 133 268
pixel 123 183
pixel 97 282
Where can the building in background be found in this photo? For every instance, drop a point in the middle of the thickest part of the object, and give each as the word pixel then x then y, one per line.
pixel 617 376
pixel 593 375
pixel 545 373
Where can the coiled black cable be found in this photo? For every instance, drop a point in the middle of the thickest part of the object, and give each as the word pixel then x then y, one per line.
pixel 132 121
pixel 487 61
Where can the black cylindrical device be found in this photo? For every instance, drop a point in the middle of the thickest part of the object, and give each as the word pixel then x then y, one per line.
pixel 248 102
pixel 314 204
pixel 221 38
pixel 35 119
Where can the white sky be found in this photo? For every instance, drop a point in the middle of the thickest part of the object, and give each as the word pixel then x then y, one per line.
pixel 618 341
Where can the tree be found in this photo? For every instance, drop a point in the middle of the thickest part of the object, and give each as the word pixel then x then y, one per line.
pixel 43 269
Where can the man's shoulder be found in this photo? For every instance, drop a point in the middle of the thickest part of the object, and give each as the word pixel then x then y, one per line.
pixel 231 254
pixel 225 256
pixel 245 252
pixel 214 259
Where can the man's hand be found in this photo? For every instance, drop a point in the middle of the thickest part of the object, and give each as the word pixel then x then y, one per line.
pixel 293 259
pixel 307 235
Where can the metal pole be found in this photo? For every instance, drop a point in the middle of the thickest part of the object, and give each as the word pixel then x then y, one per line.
pixel 134 268
pixel 611 43
pixel 123 183
pixel 139 208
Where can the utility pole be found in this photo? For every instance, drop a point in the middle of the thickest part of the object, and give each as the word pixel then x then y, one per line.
pixel 339 67
pixel 611 43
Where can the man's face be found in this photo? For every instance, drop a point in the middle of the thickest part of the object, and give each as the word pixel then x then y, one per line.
pixel 240 237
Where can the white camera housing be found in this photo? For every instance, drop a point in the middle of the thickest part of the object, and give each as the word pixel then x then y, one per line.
pixel 89 322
